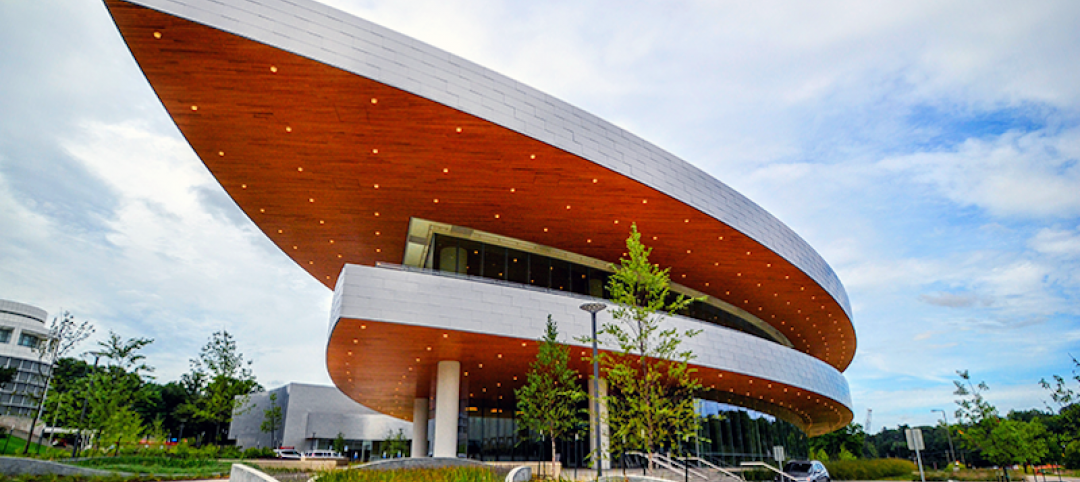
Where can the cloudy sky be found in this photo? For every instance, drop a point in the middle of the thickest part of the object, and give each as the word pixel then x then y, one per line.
pixel 929 151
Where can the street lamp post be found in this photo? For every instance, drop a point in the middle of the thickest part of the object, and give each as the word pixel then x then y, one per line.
pixel 952 451
pixel 594 308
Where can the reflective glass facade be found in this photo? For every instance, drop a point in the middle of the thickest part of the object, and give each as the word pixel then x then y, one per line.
pixel 473 258
pixel 729 435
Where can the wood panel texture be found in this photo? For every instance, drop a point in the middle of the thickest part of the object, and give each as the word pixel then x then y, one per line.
pixel 385 365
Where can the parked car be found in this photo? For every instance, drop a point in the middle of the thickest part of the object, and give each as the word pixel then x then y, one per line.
pixel 322 454
pixel 287 453
pixel 804 471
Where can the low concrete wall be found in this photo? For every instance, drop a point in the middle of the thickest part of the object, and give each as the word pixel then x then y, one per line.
pixel 20 465
pixel 243 473
pixel 520 474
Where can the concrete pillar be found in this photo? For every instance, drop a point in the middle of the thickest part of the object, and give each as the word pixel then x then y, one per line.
pixel 604 432
pixel 419 427
pixel 446 409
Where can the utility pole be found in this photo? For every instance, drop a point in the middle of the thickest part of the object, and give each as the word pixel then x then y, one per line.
pixel 948 433
pixel 866 430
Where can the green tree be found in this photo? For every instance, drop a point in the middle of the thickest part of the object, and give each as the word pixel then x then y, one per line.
pixel 548 402
pixel 272 418
pixel 118 388
pixel 849 439
pixel 339 443
pixel 653 388
pixel 1001 441
pixel 396 443
pixel 221 381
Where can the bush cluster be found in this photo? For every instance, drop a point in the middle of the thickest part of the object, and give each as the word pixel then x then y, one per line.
pixel 869 469
pixel 259 453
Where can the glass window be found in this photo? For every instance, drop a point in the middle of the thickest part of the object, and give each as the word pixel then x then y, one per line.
pixel 539 271
pixel 28 340
pixel 517 266
pixel 449 256
pixel 560 275
pixel 494 262
pixel 473 256
pixel 598 283
pixel 5 335
pixel 579 279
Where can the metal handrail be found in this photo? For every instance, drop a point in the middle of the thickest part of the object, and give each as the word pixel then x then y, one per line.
pixel 714 467
pixel 667 463
pixel 767 466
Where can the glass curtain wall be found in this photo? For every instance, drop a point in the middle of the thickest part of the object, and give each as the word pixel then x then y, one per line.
pixel 729 435
pixel 473 258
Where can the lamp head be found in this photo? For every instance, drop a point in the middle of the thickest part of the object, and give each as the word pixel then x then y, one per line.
pixel 593 307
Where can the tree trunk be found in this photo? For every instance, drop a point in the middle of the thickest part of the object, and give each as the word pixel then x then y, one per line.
pixel 41 406
pixel 552 437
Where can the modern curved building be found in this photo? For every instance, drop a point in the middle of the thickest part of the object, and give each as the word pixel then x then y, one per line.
pixel 22 328
pixel 451 209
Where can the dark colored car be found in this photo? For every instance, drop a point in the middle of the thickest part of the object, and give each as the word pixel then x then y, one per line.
pixel 804 471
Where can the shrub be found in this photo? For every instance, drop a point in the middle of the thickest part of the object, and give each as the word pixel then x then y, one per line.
pixel 229 452
pixel 872 469
pixel 259 453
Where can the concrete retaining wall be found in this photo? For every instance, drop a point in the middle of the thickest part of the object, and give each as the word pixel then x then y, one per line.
pixel 243 473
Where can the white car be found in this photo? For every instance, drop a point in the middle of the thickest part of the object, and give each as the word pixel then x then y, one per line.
pixel 287 454
pixel 322 454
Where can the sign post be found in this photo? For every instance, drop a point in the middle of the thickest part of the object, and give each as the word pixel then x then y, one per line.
pixel 778 454
pixel 915 442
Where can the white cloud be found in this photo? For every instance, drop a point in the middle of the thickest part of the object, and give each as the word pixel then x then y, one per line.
pixel 169 268
pixel 1057 242
pixel 1014 174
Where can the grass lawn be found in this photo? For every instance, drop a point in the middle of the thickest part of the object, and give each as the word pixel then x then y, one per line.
pixel 449 474
pixel 158 465
pixel 11 445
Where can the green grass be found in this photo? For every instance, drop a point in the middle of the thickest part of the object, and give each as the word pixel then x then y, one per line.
pixel 11 445
pixel 449 474
pixel 158 465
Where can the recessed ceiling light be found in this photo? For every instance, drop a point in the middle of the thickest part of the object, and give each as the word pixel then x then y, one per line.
pixel 157 34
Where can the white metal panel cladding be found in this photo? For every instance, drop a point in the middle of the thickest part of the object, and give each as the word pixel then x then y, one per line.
pixel 428 300
pixel 313 30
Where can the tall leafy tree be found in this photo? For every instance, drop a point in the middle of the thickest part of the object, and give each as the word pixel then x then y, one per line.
pixel 548 402
pixel 1001 441
pixel 221 381
pixel 119 388
pixel 653 388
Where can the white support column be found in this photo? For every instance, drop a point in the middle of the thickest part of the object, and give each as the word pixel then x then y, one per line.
pixel 447 386
pixel 604 432
pixel 419 427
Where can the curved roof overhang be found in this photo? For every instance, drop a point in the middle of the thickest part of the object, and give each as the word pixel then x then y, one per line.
pixel 331 165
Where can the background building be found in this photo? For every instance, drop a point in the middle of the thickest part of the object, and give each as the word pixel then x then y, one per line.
pixel 312 417
pixel 22 328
